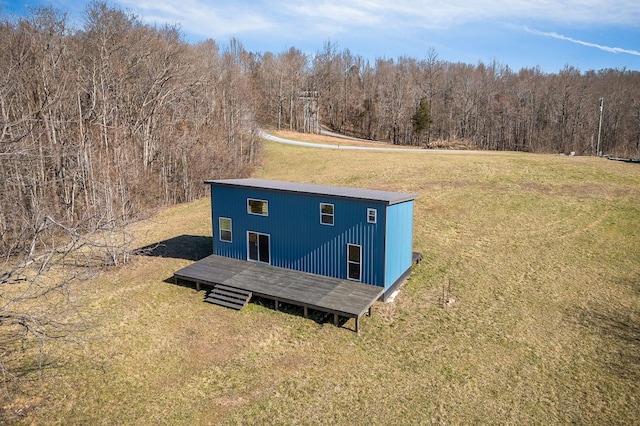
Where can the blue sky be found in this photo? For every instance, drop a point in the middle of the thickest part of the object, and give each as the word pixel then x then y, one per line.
pixel 585 34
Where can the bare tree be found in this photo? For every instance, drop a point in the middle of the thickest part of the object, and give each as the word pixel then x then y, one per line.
pixel 36 299
pixel 97 126
pixel 485 105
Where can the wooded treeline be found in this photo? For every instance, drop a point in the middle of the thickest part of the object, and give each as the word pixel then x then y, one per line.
pixel 101 122
pixel 432 102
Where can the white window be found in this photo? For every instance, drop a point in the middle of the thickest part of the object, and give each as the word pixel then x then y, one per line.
pixel 225 229
pixel 326 214
pixel 257 207
pixel 372 215
pixel 354 262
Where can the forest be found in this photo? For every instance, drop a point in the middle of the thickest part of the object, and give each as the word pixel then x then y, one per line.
pixel 103 122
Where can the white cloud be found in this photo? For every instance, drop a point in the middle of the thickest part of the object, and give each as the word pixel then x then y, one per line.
pixel 204 18
pixel 584 43
pixel 430 14
pixel 331 18
pixel 290 19
pixel 336 13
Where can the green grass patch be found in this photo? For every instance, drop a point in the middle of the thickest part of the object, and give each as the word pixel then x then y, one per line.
pixel 538 256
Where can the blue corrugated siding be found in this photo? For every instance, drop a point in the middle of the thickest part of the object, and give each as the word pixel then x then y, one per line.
pixel 298 239
pixel 399 241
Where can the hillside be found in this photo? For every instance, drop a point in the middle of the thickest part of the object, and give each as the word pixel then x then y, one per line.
pixel 535 255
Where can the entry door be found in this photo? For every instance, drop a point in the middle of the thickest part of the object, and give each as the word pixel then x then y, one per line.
pixel 258 247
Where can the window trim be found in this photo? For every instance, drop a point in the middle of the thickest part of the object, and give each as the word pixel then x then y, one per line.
pixel 371 212
pixel 359 263
pixel 332 215
pixel 230 230
pixel 259 200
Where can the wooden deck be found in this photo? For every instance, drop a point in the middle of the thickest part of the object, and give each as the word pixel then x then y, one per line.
pixel 341 298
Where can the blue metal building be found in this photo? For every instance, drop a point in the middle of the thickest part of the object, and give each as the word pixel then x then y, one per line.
pixel 355 234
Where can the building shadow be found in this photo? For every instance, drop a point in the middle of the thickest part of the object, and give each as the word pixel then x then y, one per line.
pixel 188 247
pixel 319 317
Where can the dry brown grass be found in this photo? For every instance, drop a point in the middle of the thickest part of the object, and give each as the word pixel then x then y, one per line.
pixel 540 254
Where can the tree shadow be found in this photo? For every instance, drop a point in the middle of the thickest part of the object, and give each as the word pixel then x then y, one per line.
pixel 24 364
pixel 620 334
pixel 188 247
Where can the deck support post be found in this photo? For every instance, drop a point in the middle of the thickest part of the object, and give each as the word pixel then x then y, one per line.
pixel 276 304
pixel 306 313
pixel 197 285
pixel 369 312
pixel 336 319
pixel 357 325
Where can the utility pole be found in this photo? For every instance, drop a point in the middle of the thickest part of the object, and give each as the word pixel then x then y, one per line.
pixel 598 153
pixel 310 112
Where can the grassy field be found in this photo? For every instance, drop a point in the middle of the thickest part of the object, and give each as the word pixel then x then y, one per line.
pixel 537 255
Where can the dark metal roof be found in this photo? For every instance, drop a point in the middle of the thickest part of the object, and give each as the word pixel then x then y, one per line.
pixel 309 188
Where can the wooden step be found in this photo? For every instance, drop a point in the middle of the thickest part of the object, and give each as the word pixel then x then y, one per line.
pixel 222 287
pixel 229 297
pixel 219 302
